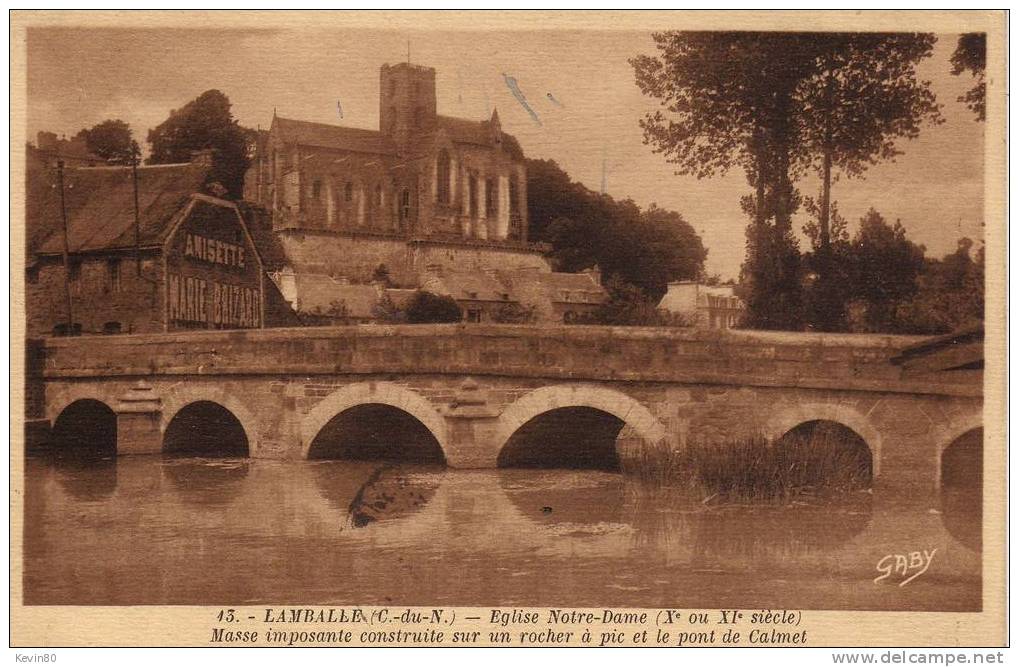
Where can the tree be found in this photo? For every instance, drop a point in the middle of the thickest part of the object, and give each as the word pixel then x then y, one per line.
pixel 112 141
pixel 884 267
pixel 862 95
pixel 950 294
pixel 204 123
pixel 971 56
pixel 629 305
pixel 827 278
pixel 425 307
pixel 647 248
pixel 730 98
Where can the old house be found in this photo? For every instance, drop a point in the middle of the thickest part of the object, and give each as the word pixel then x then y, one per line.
pixel 186 261
pixel 706 306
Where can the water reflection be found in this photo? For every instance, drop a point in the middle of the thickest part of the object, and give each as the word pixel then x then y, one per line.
pixel 85 477
pixel 392 493
pixel 204 481
pixel 201 531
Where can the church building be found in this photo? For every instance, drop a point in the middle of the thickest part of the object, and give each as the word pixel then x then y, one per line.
pixel 424 189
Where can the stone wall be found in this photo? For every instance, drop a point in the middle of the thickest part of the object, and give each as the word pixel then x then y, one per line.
pixel 97 298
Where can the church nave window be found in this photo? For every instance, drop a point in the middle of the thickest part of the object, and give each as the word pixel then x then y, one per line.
pixel 442 177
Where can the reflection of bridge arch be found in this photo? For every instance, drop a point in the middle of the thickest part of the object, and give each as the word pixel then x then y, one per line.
pixel 786 420
pixel 182 396
pixel 363 393
pixel 625 408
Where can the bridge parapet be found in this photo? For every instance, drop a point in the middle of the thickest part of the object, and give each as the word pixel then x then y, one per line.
pixel 591 353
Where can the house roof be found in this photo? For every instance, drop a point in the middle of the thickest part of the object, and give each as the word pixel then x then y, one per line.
pixel 471 285
pixel 99 202
pixel 336 137
pixel 582 287
pixel 317 292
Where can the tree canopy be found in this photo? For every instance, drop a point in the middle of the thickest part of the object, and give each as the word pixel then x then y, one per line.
pixel 112 141
pixel 971 56
pixel 646 248
pixel 777 105
pixel 204 123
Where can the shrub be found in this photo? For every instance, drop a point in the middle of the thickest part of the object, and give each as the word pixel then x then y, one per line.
pixel 814 461
pixel 513 313
pixel 425 307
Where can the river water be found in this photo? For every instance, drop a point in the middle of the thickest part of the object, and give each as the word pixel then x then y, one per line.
pixel 154 530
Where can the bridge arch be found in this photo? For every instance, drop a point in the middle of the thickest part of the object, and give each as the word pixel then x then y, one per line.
pixel 952 435
pixel 366 393
pixel 67 395
pixel 181 397
pixel 85 427
pixel 840 413
pixel 545 400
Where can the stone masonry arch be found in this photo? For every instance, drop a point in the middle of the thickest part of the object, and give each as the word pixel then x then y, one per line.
pixel 362 393
pixel 952 432
pixel 626 408
pixel 60 399
pixel 183 395
pixel 788 418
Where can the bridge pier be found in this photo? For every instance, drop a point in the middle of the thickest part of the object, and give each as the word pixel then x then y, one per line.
pixel 139 412
pixel 471 428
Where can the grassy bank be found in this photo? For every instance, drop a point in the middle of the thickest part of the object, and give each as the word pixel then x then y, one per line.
pixel 814 460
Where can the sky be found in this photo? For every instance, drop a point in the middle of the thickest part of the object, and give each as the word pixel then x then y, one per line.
pixel 78 77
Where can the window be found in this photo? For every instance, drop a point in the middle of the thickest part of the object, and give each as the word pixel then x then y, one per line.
pixel 473 315
pixel 404 205
pixel 348 191
pixel 419 117
pixel 491 197
pixel 316 190
pixel 74 275
pixel 442 177
pixel 378 195
pixel 514 195
pixel 472 195
pixel 113 271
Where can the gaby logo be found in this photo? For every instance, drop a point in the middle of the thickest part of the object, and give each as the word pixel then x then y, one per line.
pixel 909 566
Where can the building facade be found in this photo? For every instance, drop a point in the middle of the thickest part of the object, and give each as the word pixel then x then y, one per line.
pixel 423 189
pixel 186 262
pixel 706 306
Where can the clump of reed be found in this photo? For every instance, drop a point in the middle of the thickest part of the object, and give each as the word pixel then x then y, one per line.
pixel 815 461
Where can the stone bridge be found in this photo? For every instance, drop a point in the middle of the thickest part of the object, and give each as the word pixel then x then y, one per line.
pixel 473 389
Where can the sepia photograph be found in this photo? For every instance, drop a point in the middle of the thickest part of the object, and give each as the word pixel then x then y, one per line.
pixel 330 317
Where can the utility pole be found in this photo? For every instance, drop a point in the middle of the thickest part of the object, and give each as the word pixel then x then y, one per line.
pixel 137 214
pixel 67 251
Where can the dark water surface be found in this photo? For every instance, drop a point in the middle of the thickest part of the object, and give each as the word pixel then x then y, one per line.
pixel 153 530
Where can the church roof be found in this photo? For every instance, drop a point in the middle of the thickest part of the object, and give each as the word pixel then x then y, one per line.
pixel 323 135
pixel 100 205
pixel 477 132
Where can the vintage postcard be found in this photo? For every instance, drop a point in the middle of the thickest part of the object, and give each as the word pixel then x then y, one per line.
pixel 508 329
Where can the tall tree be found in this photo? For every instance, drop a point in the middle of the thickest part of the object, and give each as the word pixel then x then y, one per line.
pixel 112 141
pixel 861 97
pixel 730 102
pixel 204 123
pixel 971 56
